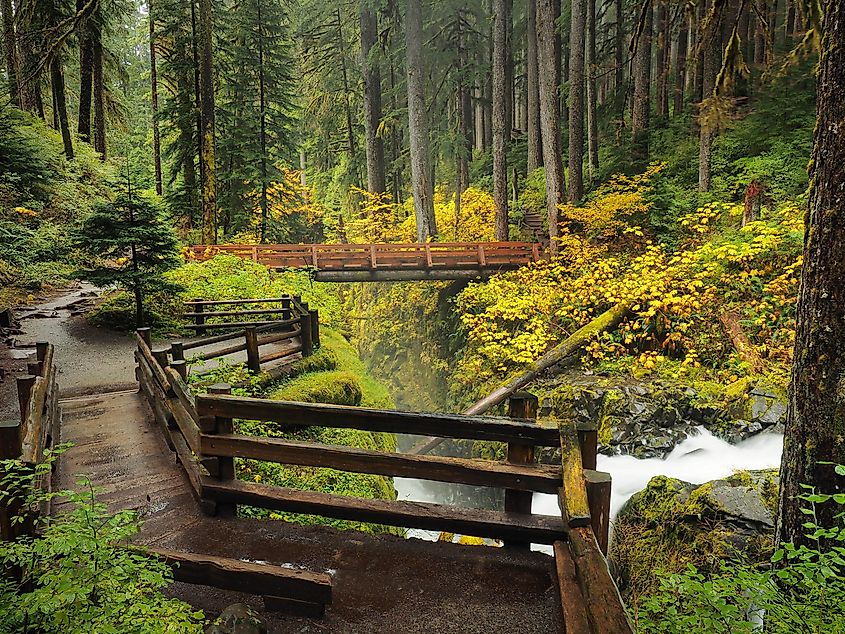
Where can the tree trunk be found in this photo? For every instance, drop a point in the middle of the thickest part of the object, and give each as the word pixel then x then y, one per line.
pixel 262 132
pixel 10 46
pixel 509 104
pixel 501 127
pixel 207 159
pixel 619 56
pixel 154 97
pixel 535 144
pixel 761 42
pixel 698 89
pixel 376 182
pixel 576 100
pixel 351 145
pixel 550 115
pixel 57 83
pixel 742 345
pixel 711 45
pixel 815 423
pixel 681 69
pixel 753 207
pixel 662 62
pixel 642 93
pixel 418 124
pixel 592 97
pixel 99 94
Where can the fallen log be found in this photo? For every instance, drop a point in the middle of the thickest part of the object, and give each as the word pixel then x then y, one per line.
pixel 564 353
pixel 740 341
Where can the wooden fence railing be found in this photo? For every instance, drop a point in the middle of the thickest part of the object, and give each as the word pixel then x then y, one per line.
pixel 201 431
pixel 293 320
pixel 345 257
pixel 26 438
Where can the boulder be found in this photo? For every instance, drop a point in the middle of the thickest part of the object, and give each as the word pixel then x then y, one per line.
pixel 671 524
pixel 648 419
pixel 238 619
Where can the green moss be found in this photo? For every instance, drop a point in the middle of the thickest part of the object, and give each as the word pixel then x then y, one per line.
pixel 338 388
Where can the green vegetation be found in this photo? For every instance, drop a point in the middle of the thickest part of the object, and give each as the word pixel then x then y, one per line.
pixel 77 574
pixel 42 197
pixel 803 589
pixel 133 226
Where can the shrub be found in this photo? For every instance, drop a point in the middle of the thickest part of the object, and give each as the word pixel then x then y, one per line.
pixel 77 574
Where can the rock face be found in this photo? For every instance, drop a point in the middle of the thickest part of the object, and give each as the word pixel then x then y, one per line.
pixel 238 619
pixel 672 523
pixel 647 420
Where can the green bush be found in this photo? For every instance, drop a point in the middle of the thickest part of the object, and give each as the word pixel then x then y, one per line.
pixel 802 591
pixel 77 574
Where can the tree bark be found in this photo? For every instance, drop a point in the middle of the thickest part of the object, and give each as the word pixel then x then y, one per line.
pixel 154 97
pixel 576 99
pixel 619 55
pixel 815 423
pixel 711 45
pixel 10 46
pixel 742 345
pixel 641 105
pixel 376 181
pixel 761 42
pixel 501 126
pixel 57 83
pixel 535 143
pixel 262 132
pixel 207 154
pixel 550 115
pixel 681 68
pixel 509 104
pixel 592 97
pixel 418 125
pixel 662 63
pixel 99 93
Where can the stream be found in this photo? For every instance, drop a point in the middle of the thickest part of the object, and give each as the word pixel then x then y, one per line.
pixel 699 458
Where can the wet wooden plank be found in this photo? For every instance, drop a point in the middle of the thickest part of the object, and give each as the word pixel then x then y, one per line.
pixel 571 599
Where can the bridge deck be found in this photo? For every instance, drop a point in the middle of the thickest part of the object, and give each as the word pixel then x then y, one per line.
pixel 380 584
pixel 385 262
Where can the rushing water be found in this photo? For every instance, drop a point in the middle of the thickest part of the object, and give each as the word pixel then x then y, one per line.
pixel 699 458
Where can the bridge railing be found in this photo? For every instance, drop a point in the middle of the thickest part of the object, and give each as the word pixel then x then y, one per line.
pixel 351 257
pixel 27 437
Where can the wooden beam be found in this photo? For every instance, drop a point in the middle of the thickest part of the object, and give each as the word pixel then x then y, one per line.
pixel 605 608
pixel 572 602
pixel 244 576
pixel 321 415
pixel 573 493
pixel 540 529
pixel 598 497
pixel 156 369
pixel 476 472
pixel 520 406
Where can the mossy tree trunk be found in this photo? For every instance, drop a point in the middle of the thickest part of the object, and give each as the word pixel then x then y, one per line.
pixel 207 160
pixel 501 124
pixel 815 425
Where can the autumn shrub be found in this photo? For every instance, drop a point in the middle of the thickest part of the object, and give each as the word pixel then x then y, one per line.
pixel 676 297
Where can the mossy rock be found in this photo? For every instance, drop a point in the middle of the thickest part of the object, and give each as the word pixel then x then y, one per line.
pixel 671 524
pixel 334 387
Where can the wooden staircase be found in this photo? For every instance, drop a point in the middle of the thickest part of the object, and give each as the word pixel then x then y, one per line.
pixel 534 227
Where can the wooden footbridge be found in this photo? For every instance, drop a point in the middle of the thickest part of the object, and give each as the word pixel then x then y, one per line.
pixel 385 262
pixel 172 454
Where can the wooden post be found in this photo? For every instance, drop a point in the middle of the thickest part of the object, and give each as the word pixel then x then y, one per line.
pixel 146 335
pixel 372 256
pixel 225 466
pixel 181 367
pixel 200 318
pixel 589 441
pixel 252 361
pixel 177 351
pixel 315 327
pixel 520 405
pixel 10 448
pixel 598 497
pixel 25 384
pixel 160 355
pixel 305 334
pixel 286 307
